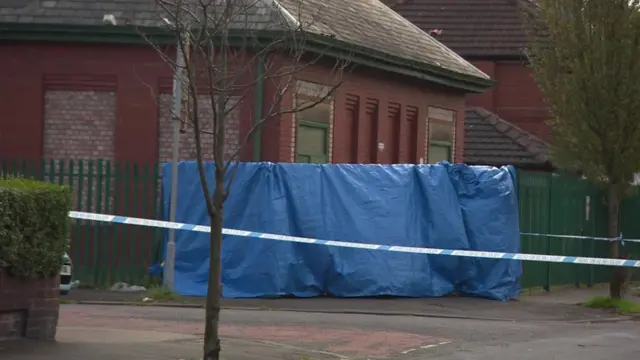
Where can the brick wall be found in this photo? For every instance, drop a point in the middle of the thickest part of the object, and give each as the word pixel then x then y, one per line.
pixel 80 125
pixel 28 308
pixel 516 97
pixel 519 100
pixel 361 122
pixel 187 140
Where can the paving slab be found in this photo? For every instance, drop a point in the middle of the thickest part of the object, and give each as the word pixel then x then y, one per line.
pixel 118 344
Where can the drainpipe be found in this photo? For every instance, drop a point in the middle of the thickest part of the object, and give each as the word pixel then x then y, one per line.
pixel 258 106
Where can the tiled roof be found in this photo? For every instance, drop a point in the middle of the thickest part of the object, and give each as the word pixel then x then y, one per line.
pixel 365 23
pixel 490 140
pixel 472 28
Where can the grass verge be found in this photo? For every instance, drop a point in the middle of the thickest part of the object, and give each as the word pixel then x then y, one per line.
pixel 621 306
pixel 161 293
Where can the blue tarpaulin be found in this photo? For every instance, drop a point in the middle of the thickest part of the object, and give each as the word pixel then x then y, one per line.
pixel 439 206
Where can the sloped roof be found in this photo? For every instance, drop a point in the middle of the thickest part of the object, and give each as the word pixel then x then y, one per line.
pixel 364 23
pixel 490 140
pixel 472 28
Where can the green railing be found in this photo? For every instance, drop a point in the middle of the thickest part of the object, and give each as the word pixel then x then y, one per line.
pixel 105 253
pixel 566 205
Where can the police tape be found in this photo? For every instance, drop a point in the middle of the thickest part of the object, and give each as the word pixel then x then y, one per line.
pixel 581 237
pixel 392 248
pixel 577 237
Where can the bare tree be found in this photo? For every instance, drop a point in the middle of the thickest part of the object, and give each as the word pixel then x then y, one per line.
pixel 220 42
pixel 584 55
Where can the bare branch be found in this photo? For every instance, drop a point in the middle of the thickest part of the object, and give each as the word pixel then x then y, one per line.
pixel 222 44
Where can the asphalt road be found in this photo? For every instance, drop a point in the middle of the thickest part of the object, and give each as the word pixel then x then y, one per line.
pixel 352 336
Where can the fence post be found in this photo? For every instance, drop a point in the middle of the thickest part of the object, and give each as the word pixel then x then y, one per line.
pixel 88 225
pixel 102 262
pixel 61 172
pixel 148 233
pixel 116 242
pixel 72 237
pixel 126 182
pixel 547 285
pixel 107 229
pixel 14 166
pixel 136 230
pixel 157 245
pixel 84 254
pixel 23 168
pixel 52 170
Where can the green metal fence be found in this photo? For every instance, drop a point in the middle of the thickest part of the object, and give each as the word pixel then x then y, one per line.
pixel 105 253
pixel 566 205
pixel 629 216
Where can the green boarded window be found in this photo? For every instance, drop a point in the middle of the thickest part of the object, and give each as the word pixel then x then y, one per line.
pixel 313 132
pixel 439 152
pixel 313 141
pixel 441 124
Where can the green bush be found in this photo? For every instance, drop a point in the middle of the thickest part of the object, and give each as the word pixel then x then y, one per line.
pixel 34 227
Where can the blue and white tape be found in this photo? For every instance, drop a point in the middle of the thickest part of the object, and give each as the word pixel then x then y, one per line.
pixel 345 244
pixel 581 237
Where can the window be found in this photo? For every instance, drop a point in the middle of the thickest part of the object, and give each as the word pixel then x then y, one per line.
pixel 441 135
pixel 312 143
pixel 439 152
pixel 313 131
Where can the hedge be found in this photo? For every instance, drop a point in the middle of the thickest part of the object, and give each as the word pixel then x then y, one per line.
pixel 34 227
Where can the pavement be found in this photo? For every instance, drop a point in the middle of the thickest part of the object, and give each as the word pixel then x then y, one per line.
pixel 106 332
pixel 162 333
pixel 558 305
pixel 82 343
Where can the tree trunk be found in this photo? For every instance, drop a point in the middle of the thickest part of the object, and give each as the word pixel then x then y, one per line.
pixel 214 292
pixel 617 278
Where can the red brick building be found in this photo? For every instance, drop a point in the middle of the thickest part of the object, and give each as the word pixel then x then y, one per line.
pixel 74 88
pixel 509 128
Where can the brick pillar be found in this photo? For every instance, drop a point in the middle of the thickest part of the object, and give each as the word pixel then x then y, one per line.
pixel 28 308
